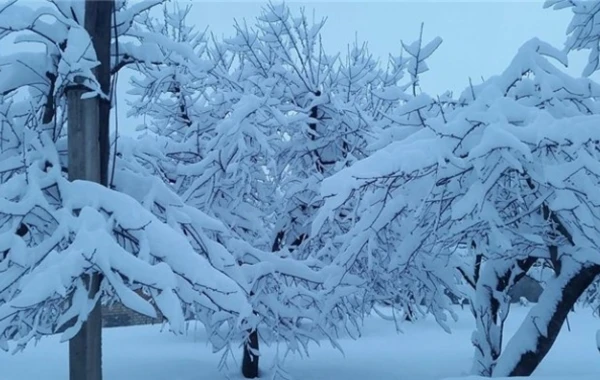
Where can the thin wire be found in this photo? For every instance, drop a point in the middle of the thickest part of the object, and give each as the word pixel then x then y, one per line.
pixel 114 94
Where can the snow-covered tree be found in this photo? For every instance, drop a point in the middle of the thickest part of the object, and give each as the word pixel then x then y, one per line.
pixel 221 160
pixel 54 231
pixel 393 107
pixel 324 131
pixel 583 33
pixel 318 122
pixel 510 172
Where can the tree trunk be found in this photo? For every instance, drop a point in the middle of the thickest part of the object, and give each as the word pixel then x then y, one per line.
pixel 490 309
pixel 250 359
pixel 85 355
pixel 85 348
pixel 88 146
pixel 540 329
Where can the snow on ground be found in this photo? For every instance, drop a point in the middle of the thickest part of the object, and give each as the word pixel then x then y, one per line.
pixel 422 352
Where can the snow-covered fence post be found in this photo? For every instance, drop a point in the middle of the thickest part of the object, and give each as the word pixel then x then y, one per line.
pixel 88 148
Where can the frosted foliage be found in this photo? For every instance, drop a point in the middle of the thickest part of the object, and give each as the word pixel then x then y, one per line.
pixel 68 53
pixel 480 173
pixel 66 50
pixel 262 273
pixel 333 111
pixel 337 107
pixel 213 139
pixel 56 232
pixel 250 140
pixel 584 29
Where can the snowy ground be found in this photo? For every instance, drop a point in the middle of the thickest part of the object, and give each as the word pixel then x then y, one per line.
pixel 422 352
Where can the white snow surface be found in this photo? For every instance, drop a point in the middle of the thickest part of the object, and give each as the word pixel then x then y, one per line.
pixel 422 352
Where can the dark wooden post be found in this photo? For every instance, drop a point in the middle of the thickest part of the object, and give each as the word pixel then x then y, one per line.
pixel 88 145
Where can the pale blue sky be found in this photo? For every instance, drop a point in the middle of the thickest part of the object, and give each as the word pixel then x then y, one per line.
pixel 480 37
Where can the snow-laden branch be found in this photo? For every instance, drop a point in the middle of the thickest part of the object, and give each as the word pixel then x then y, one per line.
pixel 283 291
pixel 582 32
pixel 511 172
pixel 56 231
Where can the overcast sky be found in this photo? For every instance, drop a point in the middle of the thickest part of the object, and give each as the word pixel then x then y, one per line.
pixel 480 37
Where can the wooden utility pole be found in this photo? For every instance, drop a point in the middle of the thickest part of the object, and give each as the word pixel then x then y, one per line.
pixel 88 145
